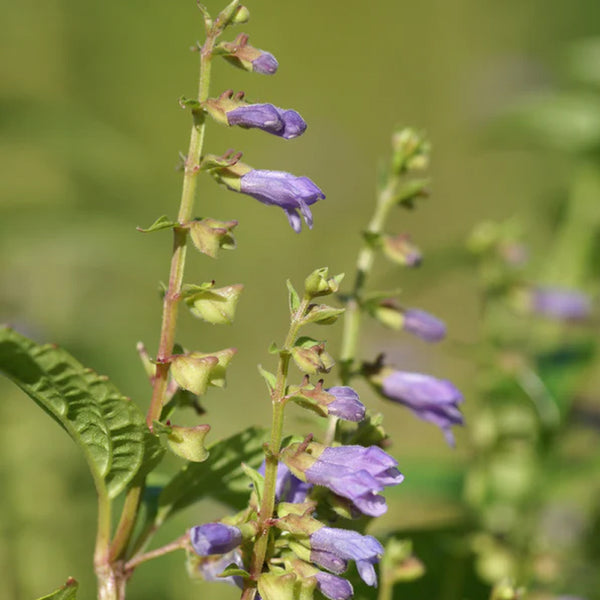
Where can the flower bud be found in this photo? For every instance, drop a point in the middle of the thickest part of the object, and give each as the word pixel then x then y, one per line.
pixel 280 586
pixel 209 235
pixel 423 325
pixel 240 54
pixel 401 250
pixel 191 372
pixel 318 283
pixel 214 538
pixel 322 314
pixel 310 356
pixel 410 151
pixel 560 303
pixel 387 312
pixel 216 305
pixel 188 442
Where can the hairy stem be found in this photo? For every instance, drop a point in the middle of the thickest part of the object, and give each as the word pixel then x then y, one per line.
pixel 272 459
pixel 173 293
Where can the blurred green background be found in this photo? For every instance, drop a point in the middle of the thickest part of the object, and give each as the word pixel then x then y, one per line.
pixel 90 130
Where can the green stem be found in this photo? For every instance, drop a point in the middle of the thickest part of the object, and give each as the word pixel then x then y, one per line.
pixel 351 326
pixel 180 543
pixel 272 459
pixel 173 293
pixel 107 579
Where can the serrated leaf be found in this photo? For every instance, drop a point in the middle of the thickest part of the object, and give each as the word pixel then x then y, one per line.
pixel 221 477
pixel 268 377
pixel 293 298
pixel 109 428
pixel 65 592
pixel 161 223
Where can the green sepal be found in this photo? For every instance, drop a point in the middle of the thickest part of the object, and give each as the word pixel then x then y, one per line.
pixel 161 223
pixel 305 341
pixel 65 592
pixel 407 193
pixel 269 378
pixel 220 477
pixel 399 564
pixel 375 240
pixel 322 314
pixel 310 356
pixel 212 161
pixel 109 428
pixel 192 372
pixel 387 312
pixel 318 283
pixel 257 479
pixel 217 305
pixel 273 348
pixel 188 442
pixel 192 103
pixel 293 298
pixel 209 235
pixel 233 14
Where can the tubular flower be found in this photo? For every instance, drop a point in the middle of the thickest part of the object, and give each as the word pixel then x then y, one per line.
pixel 423 325
pixel 214 538
pixel 328 561
pixel 560 303
pixel 332 587
pixel 349 545
pixel 288 488
pixel 277 188
pixel 346 405
pixel 353 472
pixel 265 63
pixel 430 399
pixel 287 124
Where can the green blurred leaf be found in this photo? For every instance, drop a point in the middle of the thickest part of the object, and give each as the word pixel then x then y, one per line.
pixel 564 121
pixel 66 592
pixel 221 477
pixel 109 428
pixel 294 299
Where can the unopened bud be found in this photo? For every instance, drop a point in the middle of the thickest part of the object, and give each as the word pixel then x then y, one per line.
pixel 310 356
pixel 318 283
pixel 401 250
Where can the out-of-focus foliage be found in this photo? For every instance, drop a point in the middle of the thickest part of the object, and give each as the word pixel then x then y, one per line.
pixel 90 131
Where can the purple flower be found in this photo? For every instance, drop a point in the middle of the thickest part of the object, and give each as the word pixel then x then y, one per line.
pixel 334 588
pixel 561 303
pixel 287 124
pixel 430 399
pixel 356 473
pixel 346 405
pixel 265 63
pixel 210 568
pixel 214 538
pixel 288 488
pixel 349 545
pixel 328 561
pixel 277 188
pixel 423 325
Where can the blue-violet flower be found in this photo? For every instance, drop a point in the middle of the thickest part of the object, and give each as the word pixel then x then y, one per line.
pixel 430 399
pixel 349 545
pixel 332 587
pixel 353 472
pixel 277 188
pixel 346 405
pixel 214 538
pixel 423 325
pixel 561 303
pixel 287 124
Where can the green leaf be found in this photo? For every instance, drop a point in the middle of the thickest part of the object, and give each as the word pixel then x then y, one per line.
pixel 220 477
pixel 66 592
pixel 268 377
pixel 294 299
pixel 109 428
pixel 305 342
pixel 257 479
pixel 160 223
